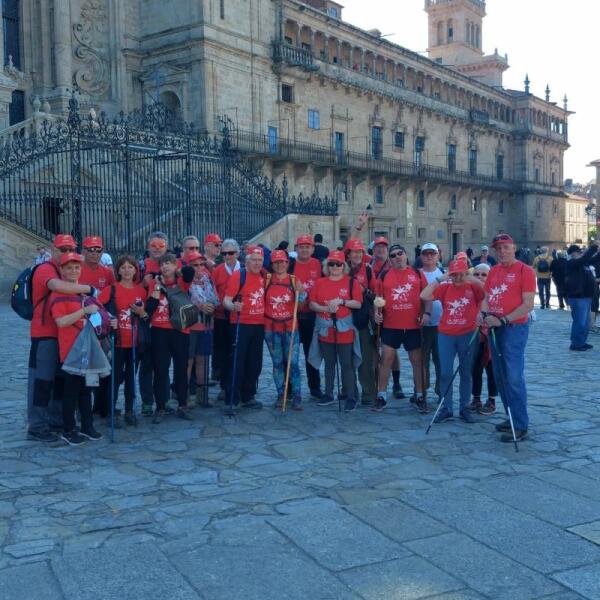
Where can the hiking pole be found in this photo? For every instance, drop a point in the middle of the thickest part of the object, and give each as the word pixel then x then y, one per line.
pixel 230 412
pixel 378 303
pixel 423 388
pixel 133 344
pixel 290 352
pixel 112 386
pixel 337 366
pixel 503 385
pixel 475 334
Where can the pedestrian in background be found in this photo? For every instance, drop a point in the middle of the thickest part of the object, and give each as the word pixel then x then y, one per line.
pixel 558 271
pixel 542 265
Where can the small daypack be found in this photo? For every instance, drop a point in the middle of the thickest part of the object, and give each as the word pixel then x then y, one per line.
pixel 182 312
pixel 21 299
pixel 543 266
pixel 361 316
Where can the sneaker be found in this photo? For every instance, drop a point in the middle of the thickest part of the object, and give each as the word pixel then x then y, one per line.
pixel 520 434
pixel 316 394
pixel 325 400
pixel 159 415
pixel 489 408
pixel 297 404
pixel 413 399
pixel 476 404
pixel 380 404
pixel 169 410
pixel 588 346
pixel 466 416
pixel 131 419
pixel 253 404
pixel 72 438
pixel 504 426
pixel 584 348
pixel 91 434
pixel 366 402
pixel 443 416
pixel 397 391
pixel 42 436
pixel 422 405
pixel 147 410
pixel 184 413
pixel 350 405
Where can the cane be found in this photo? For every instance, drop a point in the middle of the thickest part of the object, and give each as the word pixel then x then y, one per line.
pixel 290 352
pixel 337 366
pixel 503 385
pixel 378 303
pixel 112 386
pixel 230 412
pixel 439 407
pixel 133 344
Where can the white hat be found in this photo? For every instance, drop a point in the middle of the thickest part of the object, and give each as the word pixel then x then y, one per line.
pixel 429 246
pixel 484 248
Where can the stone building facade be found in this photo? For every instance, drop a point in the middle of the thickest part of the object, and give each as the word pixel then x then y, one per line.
pixel 435 147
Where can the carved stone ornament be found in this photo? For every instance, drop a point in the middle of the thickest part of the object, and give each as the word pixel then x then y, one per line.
pixel 91 36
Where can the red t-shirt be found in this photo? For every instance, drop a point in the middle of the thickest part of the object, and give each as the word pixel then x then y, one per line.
pixel 160 316
pixel 220 278
pixel 325 290
pixel 151 266
pixel 379 265
pixel 279 304
pixel 505 287
pixel 62 305
pixel 361 277
pixel 252 297
pixel 42 324
pixel 98 277
pixel 460 306
pixel 124 298
pixel 307 273
pixel 401 289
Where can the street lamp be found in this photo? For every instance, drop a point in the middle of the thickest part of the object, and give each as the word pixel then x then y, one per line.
pixel 590 211
pixel 450 224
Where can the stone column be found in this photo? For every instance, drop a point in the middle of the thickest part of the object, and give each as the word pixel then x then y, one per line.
pixel 62 46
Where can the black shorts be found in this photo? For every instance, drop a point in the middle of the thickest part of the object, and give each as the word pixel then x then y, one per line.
pixel 394 338
pixel 200 343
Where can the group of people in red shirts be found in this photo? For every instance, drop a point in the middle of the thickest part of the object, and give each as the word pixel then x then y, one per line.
pixel 351 311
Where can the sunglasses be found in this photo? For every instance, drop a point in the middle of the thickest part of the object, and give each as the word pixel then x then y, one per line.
pixel 65 250
pixel 228 253
pixel 95 250
pixel 480 274
pixel 158 246
pixel 335 264
pixel 396 254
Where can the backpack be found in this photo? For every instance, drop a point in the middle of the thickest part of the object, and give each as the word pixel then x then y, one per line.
pixel 21 299
pixel 362 315
pixel 100 320
pixel 182 313
pixel 269 282
pixel 543 266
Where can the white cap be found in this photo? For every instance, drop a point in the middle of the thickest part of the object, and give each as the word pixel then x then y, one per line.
pixel 429 246
pixel 484 248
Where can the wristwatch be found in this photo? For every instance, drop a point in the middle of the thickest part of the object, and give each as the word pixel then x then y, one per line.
pixel 343 303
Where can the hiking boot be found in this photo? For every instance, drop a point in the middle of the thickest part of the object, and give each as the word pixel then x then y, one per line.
pixel 169 410
pixel 159 415
pixel 380 404
pixel 588 346
pixel 443 416
pixel 184 413
pixel 466 416
pixel 316 394
pixel 350 405
pixel 413 399
pixel 583 348
pixel 297 404
pixel 520 435
pixel 504 426
pixel 476 404
pixel 91 434
pixel 489 408
pixel 397 391
pixel 72 438
pixel 253 404
pixel 325 400
pixel 131 419
pixel 147 410
pixel 422 405
pixel 42 436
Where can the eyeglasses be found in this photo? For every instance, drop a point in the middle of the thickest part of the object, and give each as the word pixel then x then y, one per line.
pixel 480 274
pixel 158 246
pixel 397 254
pixel 228 253
pixel 94 250
pixel 65 250
pixel 192 248
pixel 335 264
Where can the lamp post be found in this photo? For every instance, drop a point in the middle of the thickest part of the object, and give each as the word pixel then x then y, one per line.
pixel 450 224
pixel 590 211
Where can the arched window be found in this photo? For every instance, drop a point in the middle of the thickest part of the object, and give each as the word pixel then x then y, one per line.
pixel 171 102
pixel 450 30
pixel 12 32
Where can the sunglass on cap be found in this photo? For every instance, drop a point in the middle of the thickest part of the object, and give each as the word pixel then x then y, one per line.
pixel 96 250
pixel 335 264
pixel 228 253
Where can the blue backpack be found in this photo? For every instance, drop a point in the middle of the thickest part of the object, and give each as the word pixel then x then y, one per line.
pixel 21 299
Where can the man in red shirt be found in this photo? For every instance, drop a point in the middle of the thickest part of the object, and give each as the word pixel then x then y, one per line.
pixel 44 388
pixel 307 269
pixel 212 249
pixel 246 302
pixel 510 288
pixel 92 272
pixel 190 245
pixel 401 317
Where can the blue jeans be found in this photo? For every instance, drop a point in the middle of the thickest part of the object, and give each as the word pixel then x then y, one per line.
pixel 450 346
pixel 508 358
pixel 581 315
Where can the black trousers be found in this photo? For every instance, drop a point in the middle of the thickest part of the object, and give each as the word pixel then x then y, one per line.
pixel 76 395
pixel 124 372
pixel 222 350
pixel 102 397
pixel 146 376
pixel 478 375
pixel 169 344
pixel 544 291
pixel 248 362
pixel 306 326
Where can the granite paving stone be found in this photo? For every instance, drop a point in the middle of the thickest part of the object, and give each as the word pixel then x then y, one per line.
pixel 35 581
pixel 584 580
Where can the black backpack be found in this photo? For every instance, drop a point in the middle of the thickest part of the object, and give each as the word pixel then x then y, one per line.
pixel 361 316
pixel 182 313
pixel 21 299
pixel 543 266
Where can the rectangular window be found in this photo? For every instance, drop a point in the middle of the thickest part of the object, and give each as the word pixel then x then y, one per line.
pixel 421 233
pixel 500 167
pixel 288 40
pixel 333 11
pixel 379 194
pixel 555 208
pixel 314 119
pixel 419 149
pixel 376 143
pixel 453 202
pixel 452 158
pixel 474 204
pixel 339 147
pixel 306 46
pixel 538 208
pixel 553 178
pixel 287 93
pixel 272 137
pixel 501 206
pixel 16 110
pixel 537 175
pixel 399 140
pixel 472 161
pixel 12 32
pixel 222 8
pixel 341 192
pixel 421 199
pixel 400 233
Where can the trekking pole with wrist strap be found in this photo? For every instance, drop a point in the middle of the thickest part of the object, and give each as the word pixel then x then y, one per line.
pixel 290 352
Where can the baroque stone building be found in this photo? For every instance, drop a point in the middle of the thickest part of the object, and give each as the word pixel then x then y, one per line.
pixel 436 147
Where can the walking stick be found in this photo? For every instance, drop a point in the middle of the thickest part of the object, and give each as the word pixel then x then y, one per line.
pixel 475 334
pixel 378 303
pixel 112 386
pixel 337 366
pixel 133 344
pixel 290 352
pixel 503 385
pixel 230 412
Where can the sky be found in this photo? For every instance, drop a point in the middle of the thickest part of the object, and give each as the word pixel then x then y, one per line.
pixel 554 41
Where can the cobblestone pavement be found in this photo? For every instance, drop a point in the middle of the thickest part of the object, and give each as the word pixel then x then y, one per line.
pixel 313 505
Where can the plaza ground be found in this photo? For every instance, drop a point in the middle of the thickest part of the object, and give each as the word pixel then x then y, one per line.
pixel 314 505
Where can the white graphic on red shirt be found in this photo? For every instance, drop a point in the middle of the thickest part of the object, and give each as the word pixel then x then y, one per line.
pixel 309 284
pixel 163 307
pixel 256 297
pixel 125 319
pixel 495 292
pixel 456 308
pixel 277 302
pixel 401 292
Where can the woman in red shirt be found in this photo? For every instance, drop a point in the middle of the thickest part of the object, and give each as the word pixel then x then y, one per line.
pixel 332 298
pixel 122 299
pixel 461 296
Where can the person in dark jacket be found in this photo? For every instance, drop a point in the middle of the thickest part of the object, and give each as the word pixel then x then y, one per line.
pixel 558 269
pixel 580 285
pixel 321 252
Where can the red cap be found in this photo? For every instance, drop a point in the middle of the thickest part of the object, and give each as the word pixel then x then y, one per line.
pixel 254 250
pixel 279 255
pixel 70 257
pixel 215 238
pixel 64 240
pixel 381 240
pixel 458 266
pixel 502 238
pixel 354 244
pixel 93 241
pixel 192 256
pixel 305 239
pixel 461 255
pixel 336 255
